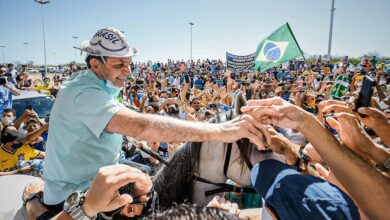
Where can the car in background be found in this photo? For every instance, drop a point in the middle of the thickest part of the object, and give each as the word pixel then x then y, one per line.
pixel 32 70
pixel 40 103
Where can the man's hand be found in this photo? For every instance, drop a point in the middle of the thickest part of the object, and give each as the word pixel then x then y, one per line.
pixel 283 146
pixel 245 126
pixel 223 204
pixel 374 119
pixel 103 195
pixel 336 106
pixel 284 114
pixel 352 136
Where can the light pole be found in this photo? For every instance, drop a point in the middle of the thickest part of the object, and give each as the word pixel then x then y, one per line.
pixel 2 47
pixel 25 47
pixel 191 24
pixel 54 58
pixel 74 45
pixel 331 29
pixel 43 2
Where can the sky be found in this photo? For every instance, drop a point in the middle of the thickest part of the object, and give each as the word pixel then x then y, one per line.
pixel 160 30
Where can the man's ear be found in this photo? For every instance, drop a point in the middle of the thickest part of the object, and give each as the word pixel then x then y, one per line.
pixel 94 64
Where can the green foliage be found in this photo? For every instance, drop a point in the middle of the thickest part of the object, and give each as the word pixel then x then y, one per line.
pixel 354 60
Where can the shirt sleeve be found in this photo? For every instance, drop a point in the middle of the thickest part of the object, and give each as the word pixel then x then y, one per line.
pixel 94 108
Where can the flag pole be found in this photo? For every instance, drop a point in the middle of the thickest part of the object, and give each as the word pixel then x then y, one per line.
pixel 299 47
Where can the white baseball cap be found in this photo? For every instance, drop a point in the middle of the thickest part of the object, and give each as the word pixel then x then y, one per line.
pixel 108 42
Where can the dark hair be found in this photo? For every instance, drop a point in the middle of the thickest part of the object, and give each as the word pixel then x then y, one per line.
pixel 163 92
pixel 194 99
pixel 192 211
pixel 90 57
pixel 10 110
pixel 33 120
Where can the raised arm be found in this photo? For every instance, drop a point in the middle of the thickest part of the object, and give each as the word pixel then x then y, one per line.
pixel 157 128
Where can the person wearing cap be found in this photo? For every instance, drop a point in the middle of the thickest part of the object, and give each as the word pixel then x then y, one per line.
pixel 87 121
pixel 289 194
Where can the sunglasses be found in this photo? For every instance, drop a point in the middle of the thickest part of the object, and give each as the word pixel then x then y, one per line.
pixel 136 199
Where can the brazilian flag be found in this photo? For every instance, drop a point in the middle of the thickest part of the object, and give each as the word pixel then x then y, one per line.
pixel 279 47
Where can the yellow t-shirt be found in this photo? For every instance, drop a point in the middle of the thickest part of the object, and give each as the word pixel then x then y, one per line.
pixel 306 73
pixel 9 160
pixel 44 89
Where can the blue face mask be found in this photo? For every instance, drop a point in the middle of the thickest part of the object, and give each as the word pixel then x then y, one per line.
pixel 140 95
pixel 113 89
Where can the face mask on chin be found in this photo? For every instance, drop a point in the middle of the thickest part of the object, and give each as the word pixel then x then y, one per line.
pixel 108 83
pixel 7 120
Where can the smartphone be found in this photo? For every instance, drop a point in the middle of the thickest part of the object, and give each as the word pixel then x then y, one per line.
pixel 139 82
pixel 3 80
pixel 281 84
pixel 29 107
pixel 365 93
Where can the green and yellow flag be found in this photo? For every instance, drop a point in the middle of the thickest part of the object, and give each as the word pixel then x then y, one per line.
pixel 277 48
pixel 340 86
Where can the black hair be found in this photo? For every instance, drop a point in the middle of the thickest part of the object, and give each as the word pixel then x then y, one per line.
pixel 10 110
pixel 33 120
pixel 90 57
pixel 187 211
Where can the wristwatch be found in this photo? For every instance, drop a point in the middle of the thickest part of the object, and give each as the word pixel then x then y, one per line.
pixel 72 206
pixel 33 196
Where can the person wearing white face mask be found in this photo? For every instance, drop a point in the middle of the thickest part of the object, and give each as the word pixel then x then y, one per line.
pixel 87 123
pixel 8 117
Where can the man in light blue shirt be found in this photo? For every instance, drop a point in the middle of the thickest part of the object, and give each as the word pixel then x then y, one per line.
pixel 87 121
pixel 7 90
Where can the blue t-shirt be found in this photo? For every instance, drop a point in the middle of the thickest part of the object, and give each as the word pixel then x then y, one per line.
pixel 280 74
pixel 5 97
pixel 199 83
pixel 78 144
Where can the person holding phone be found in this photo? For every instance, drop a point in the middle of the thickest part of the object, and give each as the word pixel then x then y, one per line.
pixel 7 90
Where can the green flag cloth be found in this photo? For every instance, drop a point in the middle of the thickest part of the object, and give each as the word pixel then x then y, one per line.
pixel 340 86
pixel 277 48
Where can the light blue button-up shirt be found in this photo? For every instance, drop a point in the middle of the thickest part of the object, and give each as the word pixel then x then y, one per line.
pixel 78 144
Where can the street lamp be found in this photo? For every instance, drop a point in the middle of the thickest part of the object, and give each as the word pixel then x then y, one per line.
pixel 191 24
pixel 26 44
pixel 54 58
pixel 74 46
pixel 2 47
pixel 331 29
pixel 43 2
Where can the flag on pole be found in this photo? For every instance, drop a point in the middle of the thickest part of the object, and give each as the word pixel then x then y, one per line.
pixel 340 86
pixel 279 47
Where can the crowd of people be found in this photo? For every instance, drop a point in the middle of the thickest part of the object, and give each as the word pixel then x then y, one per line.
pixel 312 115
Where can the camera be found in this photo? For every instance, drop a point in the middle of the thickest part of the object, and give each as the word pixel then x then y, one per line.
pixel 3 80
